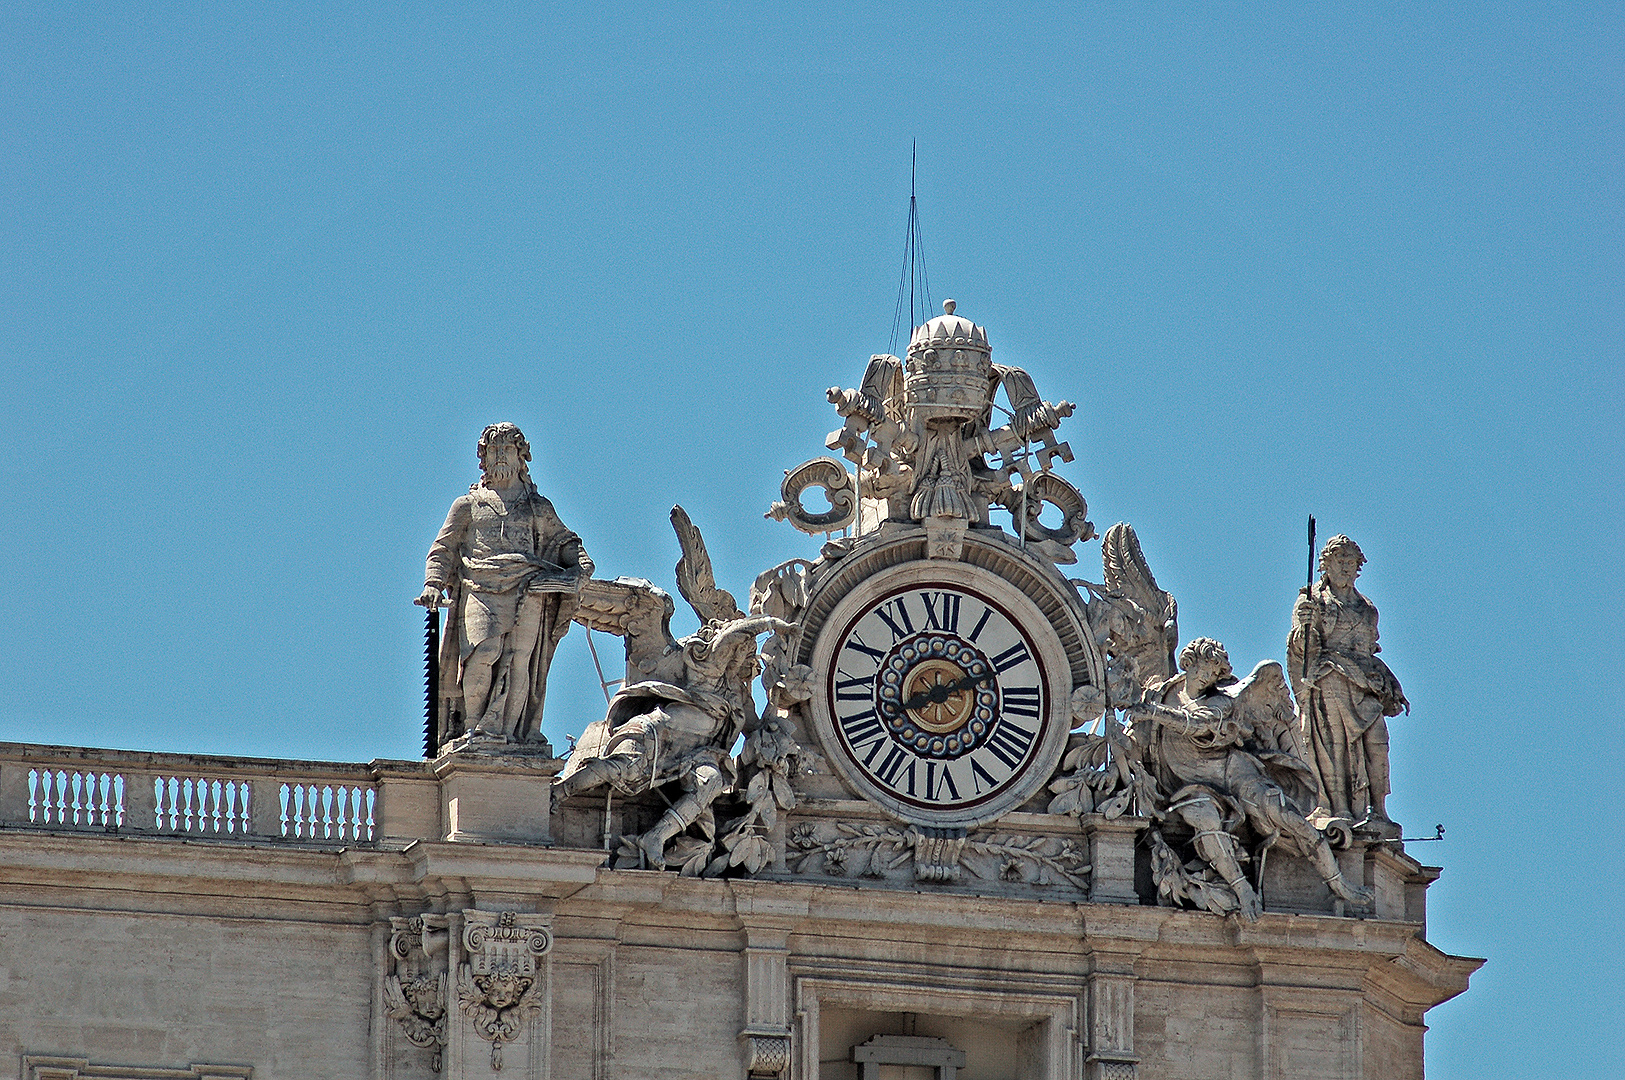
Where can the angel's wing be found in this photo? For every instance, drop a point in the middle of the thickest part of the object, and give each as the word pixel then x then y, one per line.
pixel 1139 619
pixel 395 1006
pixel 1127 572
pixel 694 578
pixel 1263 706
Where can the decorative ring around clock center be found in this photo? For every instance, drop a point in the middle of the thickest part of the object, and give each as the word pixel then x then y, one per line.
pixel 937 696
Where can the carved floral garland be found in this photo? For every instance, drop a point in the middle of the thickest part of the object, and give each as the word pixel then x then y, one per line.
pixel 876 850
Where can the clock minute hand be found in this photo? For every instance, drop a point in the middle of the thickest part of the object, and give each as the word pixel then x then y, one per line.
pixel 941 692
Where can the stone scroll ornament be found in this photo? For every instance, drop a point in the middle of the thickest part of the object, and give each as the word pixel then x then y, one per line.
pixel 415 988
pixel 840 489
pixel 499 987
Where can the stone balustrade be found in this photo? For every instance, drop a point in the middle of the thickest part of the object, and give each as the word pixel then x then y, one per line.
pixel 86 789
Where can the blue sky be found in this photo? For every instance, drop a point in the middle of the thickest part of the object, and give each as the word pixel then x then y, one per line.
pixel 265 272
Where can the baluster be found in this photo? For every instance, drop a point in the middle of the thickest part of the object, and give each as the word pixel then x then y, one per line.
pixel 341 810
pixel 33 796
pixel 167 800
pixel 211 788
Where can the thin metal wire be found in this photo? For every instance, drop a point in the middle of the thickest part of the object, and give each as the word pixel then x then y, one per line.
pixel 913 281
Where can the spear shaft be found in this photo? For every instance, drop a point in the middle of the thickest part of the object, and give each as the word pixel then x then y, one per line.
pixel 1308 592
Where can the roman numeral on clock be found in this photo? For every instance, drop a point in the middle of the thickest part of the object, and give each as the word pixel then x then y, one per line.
pixel 895 616
pixel 1009 658
pixel 1020 701
pixel 1009 742
pixel 862 727
pixel 941 611
pixel 935 782
pixel 893 763
pixel 858 687
pixel 856 644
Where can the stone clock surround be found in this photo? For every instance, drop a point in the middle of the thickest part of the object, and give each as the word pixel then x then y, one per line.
pixel 1054 673
pixel 992 563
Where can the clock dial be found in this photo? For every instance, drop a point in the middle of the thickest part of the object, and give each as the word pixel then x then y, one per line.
pixel 939 698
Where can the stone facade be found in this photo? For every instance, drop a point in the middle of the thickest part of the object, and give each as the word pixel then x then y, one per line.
pixel 993 822
pixel 135 946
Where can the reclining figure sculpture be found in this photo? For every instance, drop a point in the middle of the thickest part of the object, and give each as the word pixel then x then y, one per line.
pixel 684 701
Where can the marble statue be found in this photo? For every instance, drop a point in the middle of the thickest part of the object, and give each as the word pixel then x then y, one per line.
pixel 1202 750
pixel 509 573
pixel 684 702
pixel 1344 693
pixel 1222 751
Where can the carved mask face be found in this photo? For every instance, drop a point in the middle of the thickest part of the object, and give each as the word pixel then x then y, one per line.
pixel 504 988
pixel 423 994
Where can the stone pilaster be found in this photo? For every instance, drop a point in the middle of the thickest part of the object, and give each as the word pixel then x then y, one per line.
pixel 767 915
pixel 1110 1027
pixel 766 1034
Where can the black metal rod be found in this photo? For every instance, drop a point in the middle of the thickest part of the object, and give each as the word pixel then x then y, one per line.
pixel 431 683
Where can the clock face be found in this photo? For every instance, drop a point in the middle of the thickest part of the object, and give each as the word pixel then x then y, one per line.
pixel 938 697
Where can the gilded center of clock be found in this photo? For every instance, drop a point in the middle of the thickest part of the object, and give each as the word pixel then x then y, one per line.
pixel 944 694
pixel 937 695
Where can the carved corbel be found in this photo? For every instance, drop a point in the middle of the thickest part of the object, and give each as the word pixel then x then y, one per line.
pixel 499 985
pixel 937 853
pixel 415 988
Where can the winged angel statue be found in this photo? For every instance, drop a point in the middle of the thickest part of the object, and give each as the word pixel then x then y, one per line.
pixel 1214 760
pixel 684 701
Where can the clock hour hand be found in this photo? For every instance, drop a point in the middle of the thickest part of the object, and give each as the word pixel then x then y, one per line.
pixel 941 692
